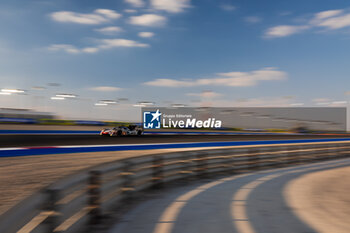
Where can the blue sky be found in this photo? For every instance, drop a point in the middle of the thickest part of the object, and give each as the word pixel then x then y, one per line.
pixel 198 53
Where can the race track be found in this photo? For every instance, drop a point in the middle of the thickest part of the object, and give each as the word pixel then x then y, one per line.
pixel 246 203
pixel 62 140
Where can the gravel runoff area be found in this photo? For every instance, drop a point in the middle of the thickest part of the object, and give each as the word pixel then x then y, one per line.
pixel 322 200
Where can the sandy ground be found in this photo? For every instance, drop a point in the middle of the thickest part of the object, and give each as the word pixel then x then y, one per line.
pixel 322 200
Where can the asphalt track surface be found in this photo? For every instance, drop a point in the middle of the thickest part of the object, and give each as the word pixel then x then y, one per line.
pixel 247 203
pixel 66 140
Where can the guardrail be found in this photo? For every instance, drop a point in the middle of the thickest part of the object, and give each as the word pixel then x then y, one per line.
pixel 82 201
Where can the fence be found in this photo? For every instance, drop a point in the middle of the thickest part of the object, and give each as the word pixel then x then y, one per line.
pixel 82 201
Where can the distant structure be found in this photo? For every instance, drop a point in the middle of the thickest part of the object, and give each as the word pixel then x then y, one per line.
pixel 300 119
pixel 24 114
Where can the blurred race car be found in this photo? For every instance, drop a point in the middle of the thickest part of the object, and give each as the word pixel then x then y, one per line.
pixel 122 131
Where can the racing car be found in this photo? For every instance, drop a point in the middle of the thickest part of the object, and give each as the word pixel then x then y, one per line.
pixel 123 131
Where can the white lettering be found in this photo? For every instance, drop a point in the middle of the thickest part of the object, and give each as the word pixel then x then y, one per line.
pixel 174 123
pixel 165 125
pixel 199 124
pixel 181 124
pixel 190 123
pixel 218 124
pixel 206 124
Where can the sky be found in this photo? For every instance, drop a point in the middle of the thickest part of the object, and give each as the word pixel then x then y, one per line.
pixel 223 53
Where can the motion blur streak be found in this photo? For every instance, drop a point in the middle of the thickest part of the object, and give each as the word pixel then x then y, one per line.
pixel 10 152
pixel 168 218
pixel 239 204
pixel 238 209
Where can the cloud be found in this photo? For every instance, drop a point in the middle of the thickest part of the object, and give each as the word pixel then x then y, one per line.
pixel 102 44
pixel 146 34
pixel 149 20
pixel 105 88
pixel 228 7
pixel 169 83
pixel 327 14
pixel 72 49
pixel 284 30
pixel 205 94
pixel 320 100
pixel 135 3
pixel 64 47
pixel 333 23
pixel 253 19
pixel 113 43
pixel 233 79
pixel 109 30
pixel 339 103
pixel 99 16
pixel 130 11
pixel 254 102
pixel 329 20
pixel 171 6
pixel 111 14
pixel 297 104
pixel 90 50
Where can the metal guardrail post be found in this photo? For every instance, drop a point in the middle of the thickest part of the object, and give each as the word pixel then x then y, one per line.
pixel 127 176
pixel 157 175
pixel 334 151
pixel 300 154
pixel 274 159
pixel 201 165
pixel 344 152
pixel 94 202
pixel 253 159
pixel 187 168
pixel 282 157
pixel 312 153
pixel 327 152
pixel 231 163
pixel 337 151
pixel 289 154
pixel 51 208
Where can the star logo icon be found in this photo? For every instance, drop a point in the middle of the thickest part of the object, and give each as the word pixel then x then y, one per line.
pixel 156 115
pixel 151 119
